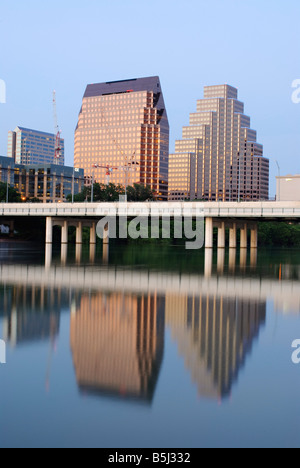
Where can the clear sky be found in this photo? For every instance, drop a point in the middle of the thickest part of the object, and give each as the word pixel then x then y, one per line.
pixel 253 45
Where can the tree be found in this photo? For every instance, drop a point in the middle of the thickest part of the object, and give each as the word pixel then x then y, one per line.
pixel 13 195
pixel 140 192
pixel 102 193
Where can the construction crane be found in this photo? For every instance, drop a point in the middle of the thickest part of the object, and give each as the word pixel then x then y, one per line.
pixel 109 170
pixel 57 149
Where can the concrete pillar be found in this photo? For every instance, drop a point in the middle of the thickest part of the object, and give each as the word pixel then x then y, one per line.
pixel 232 237
pixel 222 236
pixel 106 234
pixel 79 233
pixel 221 260
pixel 208 262
pixel 209 233
pixel 78 253
pixel 254 237
pixel 64 232
pixel 243 259
pixel 244 237
pixel 232 260
pixel 105 254
pixel 48 255
pixel 64 254
pixel 93 238
pixel 92 253
pixel 253 258
pixel 49 230
pixel 36 183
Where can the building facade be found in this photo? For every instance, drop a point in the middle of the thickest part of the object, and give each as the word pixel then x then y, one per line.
pixel 48 183
pixel 28 146
pixel 124 125
pixel 221 148
pixel 288 188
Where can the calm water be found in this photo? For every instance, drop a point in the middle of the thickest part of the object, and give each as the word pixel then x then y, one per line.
pixel 149 346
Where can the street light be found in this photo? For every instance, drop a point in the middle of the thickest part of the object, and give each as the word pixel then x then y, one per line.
pixel 126 168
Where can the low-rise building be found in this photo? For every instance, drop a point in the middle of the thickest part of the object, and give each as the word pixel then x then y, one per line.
pixel 288 188
pixel 46 182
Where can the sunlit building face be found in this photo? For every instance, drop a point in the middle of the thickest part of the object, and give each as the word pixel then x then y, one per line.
pixel 218 158
pixel 124 125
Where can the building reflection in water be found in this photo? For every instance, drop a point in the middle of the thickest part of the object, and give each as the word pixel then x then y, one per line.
pixel 31 313
pixel 118 320
pixel 117 342
pixel 214 336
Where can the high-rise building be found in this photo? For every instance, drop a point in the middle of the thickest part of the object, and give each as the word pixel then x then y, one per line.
pixel 218 158
pixel 28 146
pixel 124 125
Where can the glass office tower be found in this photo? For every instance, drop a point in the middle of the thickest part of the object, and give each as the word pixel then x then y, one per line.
pixel 229 163
pixel 124 125
pixel 28 146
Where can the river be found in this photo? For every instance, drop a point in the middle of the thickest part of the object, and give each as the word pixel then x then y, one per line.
pixel 149 345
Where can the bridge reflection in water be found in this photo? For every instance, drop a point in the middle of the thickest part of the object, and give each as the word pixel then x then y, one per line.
pixel 119 318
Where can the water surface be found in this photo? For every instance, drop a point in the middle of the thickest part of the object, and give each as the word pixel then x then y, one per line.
pixel 149 345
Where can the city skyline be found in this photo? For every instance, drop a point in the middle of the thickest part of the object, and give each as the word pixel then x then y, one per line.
pixel 263 64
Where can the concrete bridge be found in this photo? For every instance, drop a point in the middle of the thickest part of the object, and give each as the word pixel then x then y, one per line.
pixel 232 215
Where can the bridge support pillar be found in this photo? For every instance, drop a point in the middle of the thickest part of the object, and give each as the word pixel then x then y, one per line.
pixel 243 259
pixel 79 233
pixel 209 233
pixel 253 258
pixel 93 238
pixel 49 230
pixel 64 254
pixel 244 237
pixel 232 237
pixel 254 237
pixel 232 260
pixel 106 234
pixel 64 232
pixel 221 236
pixel 208 262
pixel 221 260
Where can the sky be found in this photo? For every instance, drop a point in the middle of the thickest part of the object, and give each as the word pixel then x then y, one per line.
pixel 64 45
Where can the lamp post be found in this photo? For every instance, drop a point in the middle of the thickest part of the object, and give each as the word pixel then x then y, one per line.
pixel 128 167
